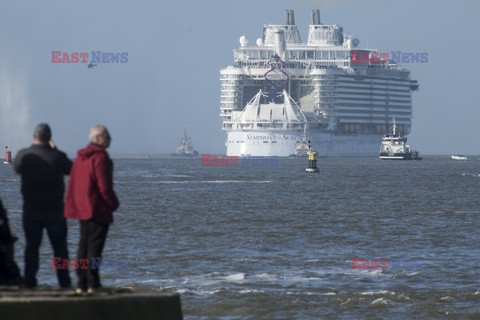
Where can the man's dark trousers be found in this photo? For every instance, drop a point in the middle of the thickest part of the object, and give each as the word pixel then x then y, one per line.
pixel 34 221
pixel 92 241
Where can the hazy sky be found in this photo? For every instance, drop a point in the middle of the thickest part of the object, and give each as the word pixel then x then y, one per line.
pixel 176 48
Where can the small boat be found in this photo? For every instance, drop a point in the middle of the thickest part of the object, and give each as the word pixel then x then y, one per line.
pixel 185 148
pixel 8 156
pixel 303 146
pixel 459 157
pixel 395 147
pixel 301 150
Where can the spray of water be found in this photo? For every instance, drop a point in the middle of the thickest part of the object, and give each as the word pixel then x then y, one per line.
pixel 14 106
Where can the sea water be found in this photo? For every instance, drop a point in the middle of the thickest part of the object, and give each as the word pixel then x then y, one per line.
pixel 275 242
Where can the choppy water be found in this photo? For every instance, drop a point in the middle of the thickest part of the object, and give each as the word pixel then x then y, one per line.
pixel 277 243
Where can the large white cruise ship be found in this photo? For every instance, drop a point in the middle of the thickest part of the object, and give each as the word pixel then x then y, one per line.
pixel 281 92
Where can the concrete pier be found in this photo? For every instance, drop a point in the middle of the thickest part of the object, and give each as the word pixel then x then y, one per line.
pixel 47 303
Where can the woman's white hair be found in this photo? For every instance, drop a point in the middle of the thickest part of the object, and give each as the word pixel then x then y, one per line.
pixel 96 131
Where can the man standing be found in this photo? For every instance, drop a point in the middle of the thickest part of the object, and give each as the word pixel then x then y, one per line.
pixel 42 168
pixel 91 199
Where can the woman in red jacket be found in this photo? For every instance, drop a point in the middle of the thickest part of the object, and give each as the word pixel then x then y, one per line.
pixel 91 199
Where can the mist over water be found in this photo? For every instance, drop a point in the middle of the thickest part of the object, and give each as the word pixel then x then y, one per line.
pixel 14 105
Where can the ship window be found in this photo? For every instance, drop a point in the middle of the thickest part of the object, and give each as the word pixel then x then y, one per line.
pixel 263 54
pixel 324 55
pixel 332 55
pixel 310 54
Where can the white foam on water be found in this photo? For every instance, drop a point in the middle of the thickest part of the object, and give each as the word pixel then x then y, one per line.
pixel 235 277
pixel 329 294
pixel 369 272
pixel 371 293
pixel 178 175
pixel 309 279
pixel 251 291
pixel 157 281
pixel 265 276
pixel 211 279
pixel 197 292
pixel 475 175
pixel 380 301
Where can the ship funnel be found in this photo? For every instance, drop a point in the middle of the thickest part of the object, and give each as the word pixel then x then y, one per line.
pixel 291 34
pixel 289 17
pixel 280 44
pixel 316 17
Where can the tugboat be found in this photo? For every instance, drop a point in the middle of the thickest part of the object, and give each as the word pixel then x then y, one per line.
pixel 301 150
pixel 395 147
pixel 8 156
pixel 303 146
pixel 185 148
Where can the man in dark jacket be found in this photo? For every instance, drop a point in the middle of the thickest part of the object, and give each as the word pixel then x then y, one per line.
pixel 91 199
pixel 42 168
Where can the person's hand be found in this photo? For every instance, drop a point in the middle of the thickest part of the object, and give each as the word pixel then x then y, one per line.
pixel 52 144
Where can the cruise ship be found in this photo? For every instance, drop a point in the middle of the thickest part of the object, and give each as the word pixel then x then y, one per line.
pixel 281 92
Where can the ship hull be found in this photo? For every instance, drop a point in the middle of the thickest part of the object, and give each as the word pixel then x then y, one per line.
pixel 283 143
pixel 398 156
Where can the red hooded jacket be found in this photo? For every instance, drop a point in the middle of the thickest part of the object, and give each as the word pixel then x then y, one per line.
pixel 90 192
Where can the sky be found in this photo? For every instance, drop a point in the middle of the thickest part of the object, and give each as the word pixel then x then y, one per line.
pixel 176 49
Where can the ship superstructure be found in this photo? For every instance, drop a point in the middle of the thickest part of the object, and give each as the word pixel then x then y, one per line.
pixel 319 91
